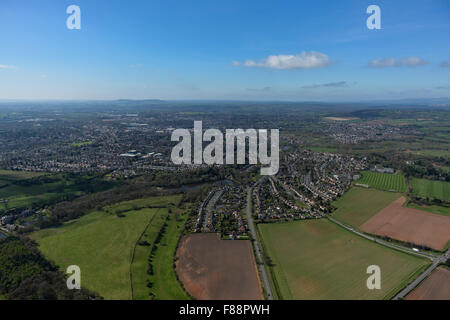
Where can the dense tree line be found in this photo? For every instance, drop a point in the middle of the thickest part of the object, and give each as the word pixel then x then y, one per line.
pixel 26 275
pixel 137 188
pixel 428 172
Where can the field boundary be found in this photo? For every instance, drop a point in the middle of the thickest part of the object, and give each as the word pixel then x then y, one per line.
pixel 134 251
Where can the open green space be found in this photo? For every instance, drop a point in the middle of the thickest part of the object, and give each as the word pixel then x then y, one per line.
pixel 12 175
pixel 81 144
pixel 30 189
pixel 323 149
pixel 101 243
pixel 165 285
pixel 141 255
pixel 445 211
pixel 431 188
pixel 433 153
pixel 317 259
pixel 383 181
pixel 358 205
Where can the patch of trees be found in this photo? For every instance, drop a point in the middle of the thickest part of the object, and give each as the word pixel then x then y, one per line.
pixel 138 188
pixel 65 211
pixel 428 172
pixel 26 275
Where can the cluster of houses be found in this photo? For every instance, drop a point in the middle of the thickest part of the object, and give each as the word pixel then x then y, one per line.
pixel 7 221
pixel 306 185
pixel 357 132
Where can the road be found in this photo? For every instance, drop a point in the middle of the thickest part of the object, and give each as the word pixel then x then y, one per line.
pixel 441 259
pixel 259 258
pixel 437 260
pixel 385 243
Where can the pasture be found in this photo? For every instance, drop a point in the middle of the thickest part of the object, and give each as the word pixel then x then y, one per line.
pixel 358 205
pixel 102 244
pixel 12 175
pixel 383 181
pixel 24 189
pixel 165 285
pixel 445 211
pixel 317 259
pixel 431 188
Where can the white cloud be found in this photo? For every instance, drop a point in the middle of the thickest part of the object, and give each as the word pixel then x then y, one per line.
pixel 340 84
pixel 304 60
pixel 2 66
pixel 393 62
pixel 445 64
pixel 383 63
pixel 443 87
pixel 235 63
pixel 413 62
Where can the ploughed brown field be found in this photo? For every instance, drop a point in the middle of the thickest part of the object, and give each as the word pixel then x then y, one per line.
pixel 435 287
pixel 210 268
pixel 411 225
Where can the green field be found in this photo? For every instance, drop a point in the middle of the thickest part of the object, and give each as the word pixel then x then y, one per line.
pixel 165 284
pixel 358 205
pixel 102 245
pixel 445 211
pixel 383 181
pixel 323 149
pixel 431 189
pixel 11 175
pixel 24 189
pixel 317 259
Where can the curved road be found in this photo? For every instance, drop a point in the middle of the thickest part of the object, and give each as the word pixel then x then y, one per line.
pixel 259 259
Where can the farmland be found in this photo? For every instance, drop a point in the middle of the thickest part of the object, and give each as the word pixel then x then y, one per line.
pixel 435 287
pixel 166 286
pixel 24 189
pixel 431 189
pixel 410 225
pixel 211 268
pixel 317 259
pixel 445 211
pixel 358 205
pixel 383 181
pixel 102 244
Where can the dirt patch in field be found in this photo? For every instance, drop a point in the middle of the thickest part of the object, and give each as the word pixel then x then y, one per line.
pixel 435 287
pixel 210 268
pixel 411 225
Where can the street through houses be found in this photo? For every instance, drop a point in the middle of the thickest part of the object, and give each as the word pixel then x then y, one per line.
pixel 257 246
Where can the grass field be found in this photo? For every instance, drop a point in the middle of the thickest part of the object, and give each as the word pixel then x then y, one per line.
pixel 445 211
pixel 141 254
pixel 431 188
pixel 323 149
pixel 102 245
pixel 11 175
pixel 383 181
pixel 21 192
pixel 317 259
pixel 165 283
pixel 358 205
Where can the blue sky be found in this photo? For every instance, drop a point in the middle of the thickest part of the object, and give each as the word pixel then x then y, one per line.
pixel 321 50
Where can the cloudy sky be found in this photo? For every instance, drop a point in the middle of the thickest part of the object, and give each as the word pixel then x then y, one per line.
pixel 252 50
